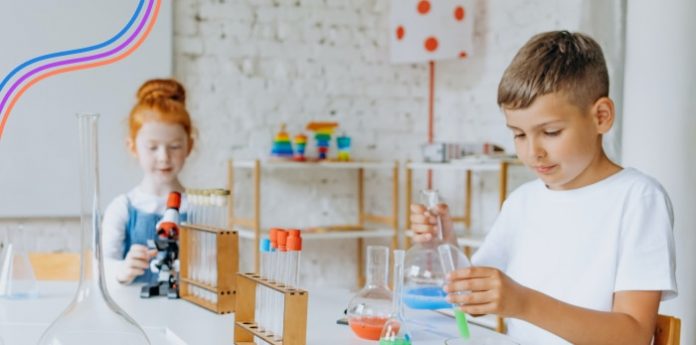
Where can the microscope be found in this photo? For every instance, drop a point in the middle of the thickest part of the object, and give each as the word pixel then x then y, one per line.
pixel 166 264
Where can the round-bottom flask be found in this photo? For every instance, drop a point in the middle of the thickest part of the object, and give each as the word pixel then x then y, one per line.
pixel 371 306
pixel 92 317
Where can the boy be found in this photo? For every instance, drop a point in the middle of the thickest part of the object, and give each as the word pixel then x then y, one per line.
pixel 584 254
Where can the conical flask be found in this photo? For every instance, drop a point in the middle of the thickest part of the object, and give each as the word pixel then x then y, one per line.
pixel 395 330
pixel 424 276
pixel 5 257
pixel 92 317
pixel 371 306
pixel 17 279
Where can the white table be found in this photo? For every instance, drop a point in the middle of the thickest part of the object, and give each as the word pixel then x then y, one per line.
pixel 178 322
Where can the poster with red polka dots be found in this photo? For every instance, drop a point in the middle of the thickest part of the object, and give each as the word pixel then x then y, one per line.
pixel 428 30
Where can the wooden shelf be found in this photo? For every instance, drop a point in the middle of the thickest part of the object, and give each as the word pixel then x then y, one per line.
pixel 490 164
pixel 282 164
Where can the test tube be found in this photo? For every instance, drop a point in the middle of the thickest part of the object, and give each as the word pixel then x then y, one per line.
pixel 200 213
pixel 192 248
pixel 204 263
pixel 294 245
pixel 197 202
pixel 448 265
pixel 216 205
pixel 190 210
pixel 199 259
pixel 212 207
pixel 204 206
pixel 269 320
pixel 222 207
pixel 210 266
pixel 187 220
pixel 213 259
pixel 281 278
pixel 213 266
pixel 262 291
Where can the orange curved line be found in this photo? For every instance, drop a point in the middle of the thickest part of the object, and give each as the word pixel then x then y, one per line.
pixel 79 67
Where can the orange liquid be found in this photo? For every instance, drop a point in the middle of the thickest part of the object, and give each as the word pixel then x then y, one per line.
pixel 367 327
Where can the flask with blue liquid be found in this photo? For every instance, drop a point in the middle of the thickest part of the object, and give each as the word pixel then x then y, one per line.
pixel 424 275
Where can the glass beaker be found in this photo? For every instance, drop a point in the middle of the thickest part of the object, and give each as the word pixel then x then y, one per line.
pixel 92 317
pixel 395 330
pixel 371 306
pixel 424 276
pixel 17 279
pixel 5 255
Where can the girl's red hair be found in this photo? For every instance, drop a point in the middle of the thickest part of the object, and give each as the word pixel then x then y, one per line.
pixel 160 100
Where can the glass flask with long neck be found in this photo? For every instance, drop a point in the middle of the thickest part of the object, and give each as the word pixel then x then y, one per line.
pixel 370 307
pixel 395 331
pixel 423 275
pixel 92 317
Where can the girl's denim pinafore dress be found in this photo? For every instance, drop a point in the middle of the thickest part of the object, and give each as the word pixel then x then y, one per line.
pixel 140 228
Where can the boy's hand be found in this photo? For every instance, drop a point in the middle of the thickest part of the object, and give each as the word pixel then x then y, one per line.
pixel 485 290
pixel 424 223
pixel 136 262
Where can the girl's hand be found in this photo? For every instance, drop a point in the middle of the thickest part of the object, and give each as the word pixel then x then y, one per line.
pixel 485 290
pixel 136 262
pixel 424 223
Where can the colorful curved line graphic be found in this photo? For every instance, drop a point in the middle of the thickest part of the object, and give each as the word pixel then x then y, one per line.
pixel 81 62
pixel 74 51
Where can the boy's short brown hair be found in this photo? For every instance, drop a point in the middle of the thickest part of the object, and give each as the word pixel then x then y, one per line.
pixel 556 61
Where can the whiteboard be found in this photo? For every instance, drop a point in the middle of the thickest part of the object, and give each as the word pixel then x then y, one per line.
pixel 38 148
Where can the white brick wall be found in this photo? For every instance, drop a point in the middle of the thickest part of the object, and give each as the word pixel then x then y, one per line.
pixel 297 61
pixel 249 65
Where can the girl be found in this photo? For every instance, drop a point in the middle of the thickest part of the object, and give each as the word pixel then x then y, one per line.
pixel 160 137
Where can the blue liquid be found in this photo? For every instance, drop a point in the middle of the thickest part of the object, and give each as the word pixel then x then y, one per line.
pixel 23 295
pixel 426 298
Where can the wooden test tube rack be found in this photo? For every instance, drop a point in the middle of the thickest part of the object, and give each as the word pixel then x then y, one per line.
pixel 294 312
pixel 227 266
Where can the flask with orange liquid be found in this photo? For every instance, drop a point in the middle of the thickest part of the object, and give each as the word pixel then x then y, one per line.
pixel 371 306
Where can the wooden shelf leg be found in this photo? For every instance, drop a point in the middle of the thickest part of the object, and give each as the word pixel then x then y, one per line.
pixel 230 197
pixel 361 222
pixel 257 215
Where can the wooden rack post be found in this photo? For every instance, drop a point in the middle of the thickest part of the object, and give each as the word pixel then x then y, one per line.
pixel 294 313
pixel 226 265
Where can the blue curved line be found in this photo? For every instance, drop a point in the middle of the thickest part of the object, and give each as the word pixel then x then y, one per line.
pixel 75 51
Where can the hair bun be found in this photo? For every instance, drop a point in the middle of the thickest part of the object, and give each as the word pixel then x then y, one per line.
pixel 161 89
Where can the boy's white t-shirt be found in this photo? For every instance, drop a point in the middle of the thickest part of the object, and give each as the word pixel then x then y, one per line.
pixel 582 245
